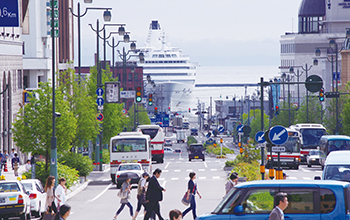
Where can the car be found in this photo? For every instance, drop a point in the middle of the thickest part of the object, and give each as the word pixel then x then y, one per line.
pixel 313 158
pixel 37 196
pixel 168 142
pixel 308 199
pixel 168 150
pixel 129 170
pixel 177 150
pixel 194 131
pixel 14 200
pixel 196 151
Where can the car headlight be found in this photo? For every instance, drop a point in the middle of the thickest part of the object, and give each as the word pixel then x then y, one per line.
pixel 296 159
pixel 313 159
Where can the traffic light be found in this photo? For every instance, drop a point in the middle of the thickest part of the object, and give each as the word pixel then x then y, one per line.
pixel 155 110
pixel 138 94
pixel 321 95
pixel 189 110
pixel 277 110
pixel 150 99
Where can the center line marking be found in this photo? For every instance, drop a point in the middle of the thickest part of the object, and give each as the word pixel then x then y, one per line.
pixel 166 166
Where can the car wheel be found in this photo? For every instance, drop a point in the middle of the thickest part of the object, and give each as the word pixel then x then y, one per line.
pixel 296 167
pixel 162 160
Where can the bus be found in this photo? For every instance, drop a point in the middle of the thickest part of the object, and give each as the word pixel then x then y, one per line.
pixel 130 147
pixel 291 156
pixel 157 140
pixel 310 136
pixel 329 143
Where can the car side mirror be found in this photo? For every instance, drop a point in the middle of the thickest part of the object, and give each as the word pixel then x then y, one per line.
pixel 317 178
pixel 238 209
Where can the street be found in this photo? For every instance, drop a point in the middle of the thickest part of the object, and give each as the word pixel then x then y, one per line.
pixel 99 200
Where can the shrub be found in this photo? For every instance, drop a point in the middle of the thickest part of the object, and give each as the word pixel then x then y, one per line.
pixel 77 161
pixel 191 140
pixel 225 150
pixel 70 174
pixel 229 163
pixel 249 170
pixel 105 156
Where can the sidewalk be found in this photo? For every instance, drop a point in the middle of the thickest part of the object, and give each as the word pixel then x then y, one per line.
pixel 10 175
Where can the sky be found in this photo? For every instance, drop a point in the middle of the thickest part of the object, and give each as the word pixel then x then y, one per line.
pixel 212 33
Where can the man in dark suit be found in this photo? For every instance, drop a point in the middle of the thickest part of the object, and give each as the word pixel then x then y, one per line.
pixel 281 202
pixel 154 195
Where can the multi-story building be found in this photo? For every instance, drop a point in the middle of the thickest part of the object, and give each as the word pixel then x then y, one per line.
pixel 319 22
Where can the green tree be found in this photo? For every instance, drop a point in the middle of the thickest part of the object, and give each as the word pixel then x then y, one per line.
pixel 114 120
pixel 82 105
pixel 33 130
pixel 344 116
pixel 316 113
pixel 141 117
pixel 255 123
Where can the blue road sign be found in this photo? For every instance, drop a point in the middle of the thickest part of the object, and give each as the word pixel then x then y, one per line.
pixel 9 16
pixel 221 129
pixel 99 116
pixel 208 135
pixel 99 91
pixel 100 101
pixel 260 137
pixel 166 120
pixel 240 128
pixel 278 135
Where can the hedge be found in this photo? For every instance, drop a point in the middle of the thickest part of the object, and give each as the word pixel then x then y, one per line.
pixel 79 162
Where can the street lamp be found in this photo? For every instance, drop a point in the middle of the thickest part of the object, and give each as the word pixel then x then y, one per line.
pixel 106 16
pixel 291 71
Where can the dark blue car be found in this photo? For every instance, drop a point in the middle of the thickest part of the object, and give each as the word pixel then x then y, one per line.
pixel 196 151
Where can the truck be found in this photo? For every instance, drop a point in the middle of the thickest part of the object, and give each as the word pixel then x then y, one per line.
pixel 185 123
pixel 180 136
pixel 177 122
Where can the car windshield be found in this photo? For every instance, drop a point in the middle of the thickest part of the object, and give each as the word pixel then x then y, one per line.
pixel 28 186
pixel 152 132
pixel 129 145
pixel 337 172
pixel 311 137
pixel 228 200
pixel 129 167
pixel 335 145
pixel 314 152
pixel 9 187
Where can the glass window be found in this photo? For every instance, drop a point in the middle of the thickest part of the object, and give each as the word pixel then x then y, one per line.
pixel 327 201
pixel 173 55
pixel 167 55
pixel 129 167
pixel 347 199
pixel 9 187
pixel 300 200
pixel 312 137
pixel 152 132
pixel 129 145
pixel 229 202
pixel 161 55
pixel 130 77
pixel 337 172
pixel 259 201
pixel 28 186
pixel 154 55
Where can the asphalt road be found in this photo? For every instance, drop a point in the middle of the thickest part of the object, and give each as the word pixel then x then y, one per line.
pixel 99 200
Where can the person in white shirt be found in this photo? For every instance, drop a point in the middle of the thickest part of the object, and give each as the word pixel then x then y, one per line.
pixel 28 166
pixel 60 193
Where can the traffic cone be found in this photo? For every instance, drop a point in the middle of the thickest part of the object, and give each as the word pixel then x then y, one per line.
pixel 5 169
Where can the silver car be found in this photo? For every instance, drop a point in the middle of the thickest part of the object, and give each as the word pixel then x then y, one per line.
pixel 313 158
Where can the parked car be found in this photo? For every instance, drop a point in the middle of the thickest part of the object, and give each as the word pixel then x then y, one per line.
pixel 168 150
pixel 177 150
pixel 308 199
pixel 196 151
pixel 37 196
pixel 14 200
pixel 129 170
pixel 194 131
pixel 168 142
pixel 313 158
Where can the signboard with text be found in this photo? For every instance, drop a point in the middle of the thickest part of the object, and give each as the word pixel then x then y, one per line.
pixel 9 16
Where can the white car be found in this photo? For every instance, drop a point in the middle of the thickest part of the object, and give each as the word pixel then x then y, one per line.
pixel 14 201
pixel 129 170
pixel 168 150
pixel 37 196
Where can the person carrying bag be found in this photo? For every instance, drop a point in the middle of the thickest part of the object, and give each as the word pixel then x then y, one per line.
pixel 191 192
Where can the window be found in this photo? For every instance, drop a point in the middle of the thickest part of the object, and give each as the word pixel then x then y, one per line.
pixel 130 77
pixel 231 110
pixel 167 55
pixel 154 55
pixel 19 81
pixel 129 145
pixel 161 55
pixel 301 200
pixel 327 201
pixel 259 201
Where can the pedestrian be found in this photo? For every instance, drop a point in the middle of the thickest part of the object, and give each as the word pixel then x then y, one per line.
pixel 232 182
pixel 5 156
pixel 285 176
pixel 28 166
pixel 281 203
pixel 60 193
pixel 175 215
pixel 141 194
pixel 12 155
pixel 154 195
pixel 50 195
pixel 14 160
pixel 126 186
pixel 63 213
pixel 15 168
pixel 191 192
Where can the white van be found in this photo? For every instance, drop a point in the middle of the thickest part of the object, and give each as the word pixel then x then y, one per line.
pixel 337 166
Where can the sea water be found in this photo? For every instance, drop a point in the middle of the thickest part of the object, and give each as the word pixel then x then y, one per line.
pixel 229 75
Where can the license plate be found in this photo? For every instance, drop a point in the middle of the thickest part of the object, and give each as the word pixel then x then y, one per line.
pixel 196 157
pixel 2 200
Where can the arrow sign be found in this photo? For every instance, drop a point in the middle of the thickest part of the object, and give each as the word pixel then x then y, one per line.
pixel 100 101
pixel 240 128
pixel 278 135
pixel 99 91
pixel 221 129
pixel 260 137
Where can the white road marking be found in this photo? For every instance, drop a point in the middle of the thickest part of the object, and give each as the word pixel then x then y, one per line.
pixel 166 166
pixel 307 178
pixel 161 179
pixel 213 169
pixel 202 177
pixel 216 177
pixel 165 171
pixel 294 171
pixel 189 170
pixel 205 164
pixel 318 171
pixel 106 180
pixel 292 178
pixel 163 185
pixel 201 169
pixel 177 171
pixel 101 193
pixel 175 178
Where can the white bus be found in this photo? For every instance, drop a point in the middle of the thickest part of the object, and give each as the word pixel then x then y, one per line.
pixel 157 140
pixel 130 147
pixel 310 136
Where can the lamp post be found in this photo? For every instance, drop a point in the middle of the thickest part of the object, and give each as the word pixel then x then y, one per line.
pixel 106 16
pixel 291 71
pixel 121 32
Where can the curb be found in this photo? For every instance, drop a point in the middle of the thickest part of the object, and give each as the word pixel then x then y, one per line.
pixel 77 190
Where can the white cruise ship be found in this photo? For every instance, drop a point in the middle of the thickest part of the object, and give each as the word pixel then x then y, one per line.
pixel 172 72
